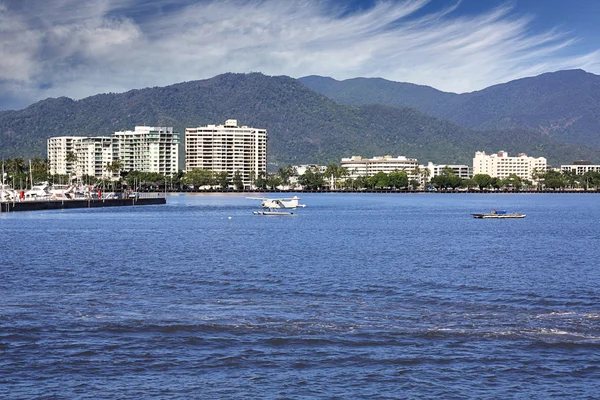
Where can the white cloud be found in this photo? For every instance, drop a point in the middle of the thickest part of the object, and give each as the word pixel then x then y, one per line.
pixel 77 49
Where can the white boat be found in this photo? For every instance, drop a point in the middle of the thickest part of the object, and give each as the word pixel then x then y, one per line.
pixel 61 192
pixel 7 193
pixel 498 214
pixel 39 191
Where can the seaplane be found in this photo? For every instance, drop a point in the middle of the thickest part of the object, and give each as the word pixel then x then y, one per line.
pixel 268 205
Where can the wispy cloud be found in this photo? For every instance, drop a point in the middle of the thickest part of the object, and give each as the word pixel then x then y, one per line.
pixel 75 48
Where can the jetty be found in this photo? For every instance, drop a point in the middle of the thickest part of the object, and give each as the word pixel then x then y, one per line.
pixel 36 205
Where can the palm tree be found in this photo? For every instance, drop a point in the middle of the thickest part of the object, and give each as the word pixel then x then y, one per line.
pixel 416 172
pixel 16 165
pixel 425 173
pixel 70 159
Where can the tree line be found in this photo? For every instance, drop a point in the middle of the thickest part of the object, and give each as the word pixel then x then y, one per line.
pixel 19 175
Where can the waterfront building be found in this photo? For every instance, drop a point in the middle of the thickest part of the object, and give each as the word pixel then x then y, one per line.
pixel 227 148
pixel 93 156
pixel 462 171
pixel 145 149
pixel 580 167
pixel 301 169
pixel 500 165
pixel 148 149
pixel 58 147
pixel 358 166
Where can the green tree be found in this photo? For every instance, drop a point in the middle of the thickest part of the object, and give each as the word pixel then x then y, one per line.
pixel 198 177
pixel 312 180
pixel 398 179
pixel 261 180
pixel 483 181
pixel 554 180
pixel 221 178
pixel 513 181
pixel 380 180
pixel 273 181
pixel 238 182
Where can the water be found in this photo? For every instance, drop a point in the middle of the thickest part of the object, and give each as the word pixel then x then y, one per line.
pixel 356 296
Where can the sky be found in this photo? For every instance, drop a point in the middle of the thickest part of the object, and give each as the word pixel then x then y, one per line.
pixel 75 48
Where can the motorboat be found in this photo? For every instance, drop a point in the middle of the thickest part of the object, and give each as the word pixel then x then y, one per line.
pixel 499 214
pixel 39 191
pixel 7 193
pixel 61 192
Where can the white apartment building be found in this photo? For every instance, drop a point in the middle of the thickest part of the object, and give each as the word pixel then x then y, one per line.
pixel 93 156
pixel 227 148
pixel 462 171
pixel 148 149
pixel 580 169
pixel 500 165
pixel 58 148
pixel 358 166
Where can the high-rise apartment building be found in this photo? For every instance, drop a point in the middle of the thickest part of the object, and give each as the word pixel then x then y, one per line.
pixel 94 154
pixel 230 148
pixel 148 149
pixel 500 165
pixel 58 149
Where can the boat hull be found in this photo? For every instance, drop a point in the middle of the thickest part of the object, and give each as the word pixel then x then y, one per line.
pixel 497 216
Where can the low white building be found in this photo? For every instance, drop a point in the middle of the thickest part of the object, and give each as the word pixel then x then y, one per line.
pixel 500 165
pixel 462 171
pixel 580 169
pixel 358 166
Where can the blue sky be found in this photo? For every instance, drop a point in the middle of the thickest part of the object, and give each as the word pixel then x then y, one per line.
pixel 80 48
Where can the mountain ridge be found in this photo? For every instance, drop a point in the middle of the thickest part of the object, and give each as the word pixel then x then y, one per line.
pixel 564 105
pixel 304 126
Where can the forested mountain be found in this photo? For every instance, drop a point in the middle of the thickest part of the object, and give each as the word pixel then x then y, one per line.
pixel 303 126
pixel 564 105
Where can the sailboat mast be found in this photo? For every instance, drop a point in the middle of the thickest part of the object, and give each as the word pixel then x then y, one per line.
pixel 30 174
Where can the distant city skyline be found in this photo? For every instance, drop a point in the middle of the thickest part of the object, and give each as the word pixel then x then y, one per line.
pixel 78 49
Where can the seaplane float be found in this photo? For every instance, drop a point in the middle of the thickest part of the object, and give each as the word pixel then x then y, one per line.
pixel 270 205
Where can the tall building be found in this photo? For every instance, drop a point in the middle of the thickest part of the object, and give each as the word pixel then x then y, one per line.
pixel 148 149
pixel 230 148
pixel 358 166
pixel 93 156
pixel 58 148
pixel 500 165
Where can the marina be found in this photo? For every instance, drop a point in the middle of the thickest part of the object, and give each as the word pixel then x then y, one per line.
pixel 43 196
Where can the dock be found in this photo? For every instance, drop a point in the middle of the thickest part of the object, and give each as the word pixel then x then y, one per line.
pixel 37 205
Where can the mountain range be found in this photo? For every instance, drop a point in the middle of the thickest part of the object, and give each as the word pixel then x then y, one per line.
pixel 563 105
pixel 320 120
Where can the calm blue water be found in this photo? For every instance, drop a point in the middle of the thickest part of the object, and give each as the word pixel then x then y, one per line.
pixel 356 296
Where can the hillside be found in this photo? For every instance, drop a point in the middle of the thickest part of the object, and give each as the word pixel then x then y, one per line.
pixel 304 126
pixel 564 105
